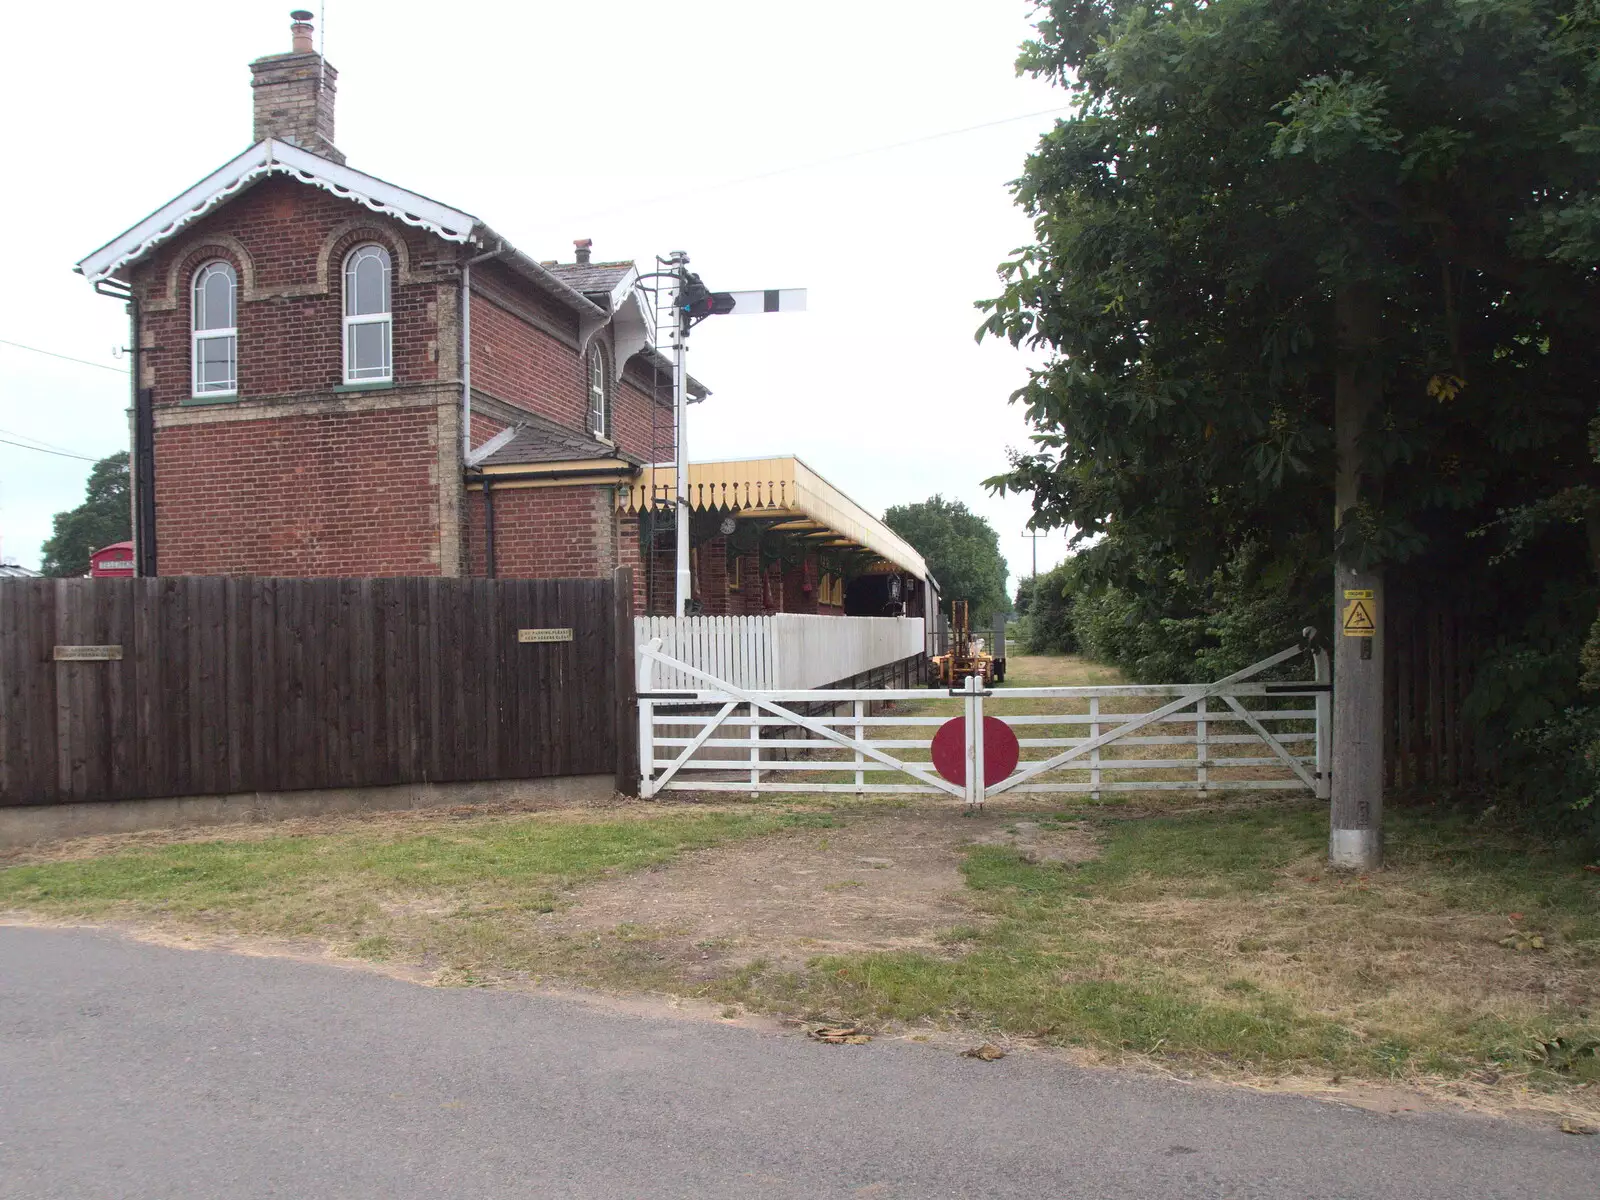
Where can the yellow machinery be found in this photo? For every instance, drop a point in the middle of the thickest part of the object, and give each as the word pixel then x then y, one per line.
pixel 963 658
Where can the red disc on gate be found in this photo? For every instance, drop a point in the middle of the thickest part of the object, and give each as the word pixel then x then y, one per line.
pixel 1000 750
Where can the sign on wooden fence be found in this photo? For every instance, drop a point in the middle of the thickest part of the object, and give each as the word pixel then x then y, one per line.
pixel 88 653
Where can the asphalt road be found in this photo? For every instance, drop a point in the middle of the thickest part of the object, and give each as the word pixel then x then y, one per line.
pixel 129 1070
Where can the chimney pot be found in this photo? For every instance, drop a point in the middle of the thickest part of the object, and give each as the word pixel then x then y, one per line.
pixel 583 246
pixel 300 32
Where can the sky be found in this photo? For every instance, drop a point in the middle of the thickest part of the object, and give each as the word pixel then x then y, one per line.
pixel 830 146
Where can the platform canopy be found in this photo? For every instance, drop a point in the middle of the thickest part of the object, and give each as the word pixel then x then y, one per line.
pixel 787 496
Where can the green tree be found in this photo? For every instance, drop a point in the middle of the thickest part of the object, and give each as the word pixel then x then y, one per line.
pixel 1050 628
pixel 1244 188
pixel 1235 164
pixel 103 517
pixel 962 550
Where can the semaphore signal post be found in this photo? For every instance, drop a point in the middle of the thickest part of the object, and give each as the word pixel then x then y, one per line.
pixel 692 302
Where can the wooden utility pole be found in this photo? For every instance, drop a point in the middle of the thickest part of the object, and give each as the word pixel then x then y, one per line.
pixel 1355 839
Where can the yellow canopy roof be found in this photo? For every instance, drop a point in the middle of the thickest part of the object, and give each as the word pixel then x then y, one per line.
pixel 777 487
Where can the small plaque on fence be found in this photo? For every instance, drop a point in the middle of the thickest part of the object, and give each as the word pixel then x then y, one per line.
pixel 88 654
pixel 544 635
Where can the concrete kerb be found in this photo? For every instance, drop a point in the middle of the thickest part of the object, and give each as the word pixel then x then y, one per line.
pixel 29 825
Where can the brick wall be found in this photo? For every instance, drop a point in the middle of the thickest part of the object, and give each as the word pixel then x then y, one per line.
pixel 630 417
pixel 628 556
pixel 287 241
pixel 525 353
pixel 711 577
pixel 763 591
pixel 795 597
pixel 545 533
pixel 344 494
pixel 750 599
pixel 296 475
pixel 484 427
pixel 663 579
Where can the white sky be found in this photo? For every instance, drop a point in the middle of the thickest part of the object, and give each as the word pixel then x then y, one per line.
pixel 554 121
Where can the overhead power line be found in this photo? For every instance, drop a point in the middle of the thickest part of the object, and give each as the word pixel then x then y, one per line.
pixel 28 437
pixel 43 450
pixel 65 357
pixel 824 162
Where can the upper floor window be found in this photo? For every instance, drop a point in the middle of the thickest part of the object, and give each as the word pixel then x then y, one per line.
pixel 368 324
pixel 599 392
pixel 215 349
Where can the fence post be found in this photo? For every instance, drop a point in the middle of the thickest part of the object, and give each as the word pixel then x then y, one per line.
pixel 647 721
pixel 974 721
pixel 1094 755
pixel 1324 726
pixel 755 750
pixel 627 781
pixel 1200 747
pixel 861 734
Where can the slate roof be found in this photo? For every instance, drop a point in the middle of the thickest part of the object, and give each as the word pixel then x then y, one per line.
pixel 543 441
pixel 592 279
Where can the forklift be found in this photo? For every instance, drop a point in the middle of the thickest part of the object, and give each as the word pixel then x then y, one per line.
pixel 966 655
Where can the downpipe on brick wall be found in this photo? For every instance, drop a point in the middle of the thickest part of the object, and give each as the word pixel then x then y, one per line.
pixel 140 466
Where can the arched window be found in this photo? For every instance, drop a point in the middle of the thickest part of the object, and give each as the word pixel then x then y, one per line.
pixel 368 325
pixel 599 392
pixel 215 350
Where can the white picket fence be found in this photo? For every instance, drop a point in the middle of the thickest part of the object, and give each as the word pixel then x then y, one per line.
pixel 784 651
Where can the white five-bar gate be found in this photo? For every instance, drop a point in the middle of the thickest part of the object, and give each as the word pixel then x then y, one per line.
pixel 1236 734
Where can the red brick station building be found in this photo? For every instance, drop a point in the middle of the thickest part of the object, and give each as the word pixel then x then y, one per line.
pixel 337 376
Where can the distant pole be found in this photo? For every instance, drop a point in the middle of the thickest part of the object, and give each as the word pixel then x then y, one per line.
pixel 1355 839
pixel 1034 534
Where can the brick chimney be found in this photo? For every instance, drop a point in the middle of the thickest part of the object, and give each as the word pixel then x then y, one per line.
pixel 583 246
pixel 294 94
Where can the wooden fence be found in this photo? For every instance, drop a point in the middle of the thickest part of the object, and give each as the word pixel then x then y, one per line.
pixel 245 684
pixel 1430 659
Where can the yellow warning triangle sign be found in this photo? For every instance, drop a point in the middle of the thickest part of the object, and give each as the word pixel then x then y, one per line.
pixel 1358 620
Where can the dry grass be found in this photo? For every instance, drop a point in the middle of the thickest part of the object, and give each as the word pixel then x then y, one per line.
pixel 460 892
pixel 1218 941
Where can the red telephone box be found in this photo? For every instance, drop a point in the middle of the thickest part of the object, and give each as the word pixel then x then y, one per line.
pixel 112 562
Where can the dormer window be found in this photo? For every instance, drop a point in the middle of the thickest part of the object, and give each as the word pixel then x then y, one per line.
pixel 214 353
pixel 368 324
pixel 599 392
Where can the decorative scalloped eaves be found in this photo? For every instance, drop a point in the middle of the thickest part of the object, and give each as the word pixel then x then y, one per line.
pixel 632 325
pixel 275 158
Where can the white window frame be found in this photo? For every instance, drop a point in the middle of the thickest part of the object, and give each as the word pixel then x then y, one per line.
pixel 598 418
pixel 212 391
pixel 385 318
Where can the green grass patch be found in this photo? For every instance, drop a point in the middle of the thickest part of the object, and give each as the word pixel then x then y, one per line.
pixel 358 884
pixel 1222 938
